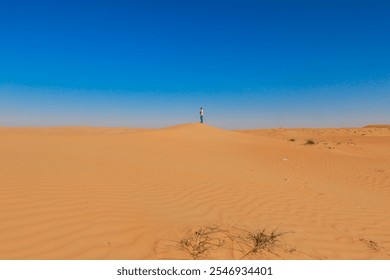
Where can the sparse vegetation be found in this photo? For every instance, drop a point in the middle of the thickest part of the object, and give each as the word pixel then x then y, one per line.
pixel 375 246
pixel 200 243
pixel 256 242
pixel 371 244
pixel 310 142
pixel 291 140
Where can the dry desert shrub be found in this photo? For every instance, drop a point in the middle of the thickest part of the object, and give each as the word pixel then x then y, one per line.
pixel 375 245
pixel 198 244
pixel 371 244
pixel 310 142
pixel 258 241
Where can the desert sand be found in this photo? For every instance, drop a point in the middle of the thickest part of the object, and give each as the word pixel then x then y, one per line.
pixel 194 191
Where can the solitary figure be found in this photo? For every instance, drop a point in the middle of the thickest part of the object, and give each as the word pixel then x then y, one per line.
pixel 201 114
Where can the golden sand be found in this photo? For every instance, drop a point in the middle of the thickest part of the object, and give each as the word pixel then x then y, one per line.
pixel 118 193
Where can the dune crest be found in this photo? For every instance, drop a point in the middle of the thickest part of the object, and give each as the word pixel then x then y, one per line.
pixel 187 126
pixel 194 128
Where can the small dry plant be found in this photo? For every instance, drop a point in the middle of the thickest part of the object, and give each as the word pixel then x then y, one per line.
pixel 200 243
pixel 310 142
pixel 256 242
pixel 375 246
pixel 205 239
pixel 372 244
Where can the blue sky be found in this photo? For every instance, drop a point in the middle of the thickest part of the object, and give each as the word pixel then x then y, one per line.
pixel 154 63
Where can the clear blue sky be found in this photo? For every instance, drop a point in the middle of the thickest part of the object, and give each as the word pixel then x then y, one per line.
pixel 154 63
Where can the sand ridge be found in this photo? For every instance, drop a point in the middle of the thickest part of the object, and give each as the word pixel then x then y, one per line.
pixel 121 193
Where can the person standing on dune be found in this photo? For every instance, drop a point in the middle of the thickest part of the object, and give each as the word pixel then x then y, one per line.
pixel 201 114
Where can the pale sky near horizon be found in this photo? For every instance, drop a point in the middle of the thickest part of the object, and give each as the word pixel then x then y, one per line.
pixel 250 64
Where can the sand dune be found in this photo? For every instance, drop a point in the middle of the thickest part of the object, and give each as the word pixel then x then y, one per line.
pixel 120 193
